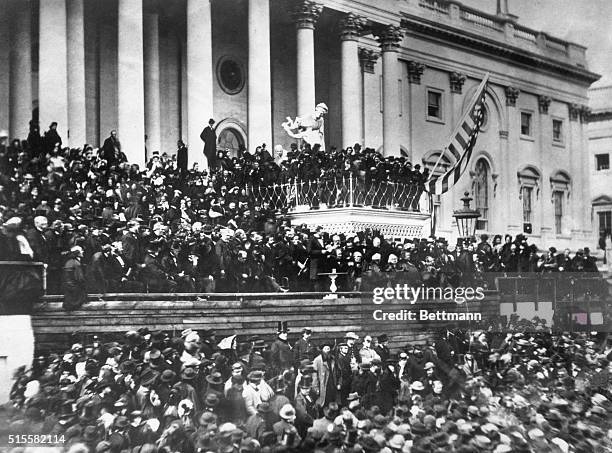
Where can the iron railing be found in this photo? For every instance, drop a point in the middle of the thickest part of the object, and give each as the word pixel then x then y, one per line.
pixel 341 192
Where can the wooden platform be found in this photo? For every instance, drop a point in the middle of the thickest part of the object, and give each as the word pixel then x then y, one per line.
pixel 111 315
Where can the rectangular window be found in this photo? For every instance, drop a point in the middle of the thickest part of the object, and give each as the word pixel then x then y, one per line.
pixel 602 161
pixel 605 221
pixel 526 193
pixel 434 105
pixel 526 124
pixel 557 131
pixel 558 201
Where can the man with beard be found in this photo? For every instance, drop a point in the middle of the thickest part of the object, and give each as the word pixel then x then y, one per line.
pixel 326 375
pixel 281 352
pixel 345 372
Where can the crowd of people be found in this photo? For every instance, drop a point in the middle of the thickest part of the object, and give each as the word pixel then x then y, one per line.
pixel 463 392
pixel 104 225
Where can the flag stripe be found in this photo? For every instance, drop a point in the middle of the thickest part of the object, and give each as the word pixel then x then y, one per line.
pixel 462 144
pixel 453 149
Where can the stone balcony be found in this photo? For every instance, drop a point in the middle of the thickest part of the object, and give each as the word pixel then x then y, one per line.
pixel 502 29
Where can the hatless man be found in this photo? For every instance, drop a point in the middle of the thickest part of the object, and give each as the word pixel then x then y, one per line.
pixel 209 137
pixel 303 348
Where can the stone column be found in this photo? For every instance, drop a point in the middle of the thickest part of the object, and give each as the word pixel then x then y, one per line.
pixel 259 121
pixel 583 188
pixel 351 26
pixel 151 82
pixel 5 52
pixel 389 38
pixel 20 79
pixel 53 69
pixel 367 60
pixel 511 142
pixel 130 85
pixel 199 75
pixel 306 15
pixel 77 111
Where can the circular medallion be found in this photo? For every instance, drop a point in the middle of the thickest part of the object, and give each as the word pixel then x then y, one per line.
pixel 230 74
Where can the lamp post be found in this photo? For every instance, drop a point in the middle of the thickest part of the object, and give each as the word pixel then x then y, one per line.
pixel 466 218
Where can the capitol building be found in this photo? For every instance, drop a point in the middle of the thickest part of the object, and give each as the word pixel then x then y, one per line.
pixel 397 75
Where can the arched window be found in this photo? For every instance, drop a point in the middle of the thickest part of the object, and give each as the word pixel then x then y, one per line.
pixel 482 176
pixel 560 187
pixel 230 140
pixel 529 189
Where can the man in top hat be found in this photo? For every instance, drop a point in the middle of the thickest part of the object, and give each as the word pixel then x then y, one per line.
pixel 281 352
pixel 303 348
pixel 306 408
pixel 345 371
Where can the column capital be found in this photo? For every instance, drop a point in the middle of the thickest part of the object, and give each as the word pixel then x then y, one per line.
pixel 585 113
pixel 544 103
pixel 457 80
pixel 306 13
pixel 574 111
pixel 415 71
pixel 512 95
pixel 368 58
pixel 389 37
pixel 351 26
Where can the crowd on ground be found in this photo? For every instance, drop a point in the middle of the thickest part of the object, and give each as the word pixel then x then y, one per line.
pixel 526 391
pixel 103 225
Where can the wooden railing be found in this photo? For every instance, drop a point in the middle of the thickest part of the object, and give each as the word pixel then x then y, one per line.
pixel 229 314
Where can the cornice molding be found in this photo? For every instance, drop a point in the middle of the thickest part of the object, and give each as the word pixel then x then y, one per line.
pixel 495 49
pixel 595 117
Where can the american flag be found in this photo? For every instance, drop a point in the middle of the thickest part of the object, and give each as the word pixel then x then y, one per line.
pixel 461 144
